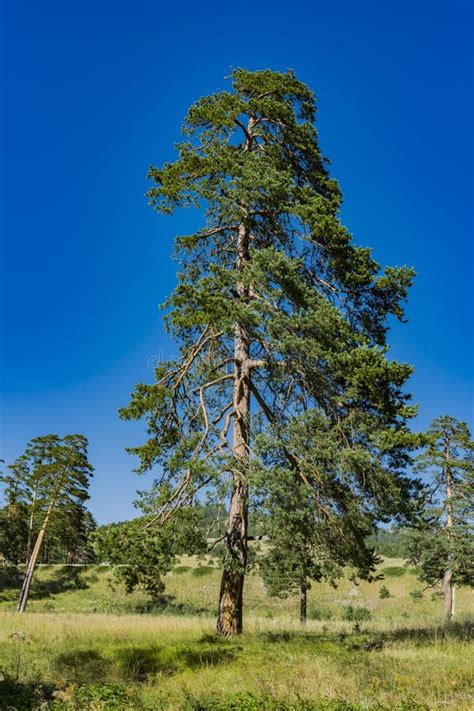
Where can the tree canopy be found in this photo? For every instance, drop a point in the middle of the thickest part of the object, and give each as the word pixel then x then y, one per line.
pixel 443 547
pixel 282 324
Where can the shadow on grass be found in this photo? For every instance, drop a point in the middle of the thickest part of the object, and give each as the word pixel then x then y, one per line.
pixel 10 580
pixel 462 631
pixel 367 640
pixel 81 665
pixel 166 605
pixel 63 580
pixel 139 664
pixel 25 695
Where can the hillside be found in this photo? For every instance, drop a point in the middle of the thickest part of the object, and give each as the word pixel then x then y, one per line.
pixel 192 589
pixel 83 646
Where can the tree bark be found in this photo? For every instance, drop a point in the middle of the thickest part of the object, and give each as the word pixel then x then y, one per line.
pixel 448 576
pixel 31 564
pixel 229 619
pixel 30 524
pixel 303 603
pixel 448 594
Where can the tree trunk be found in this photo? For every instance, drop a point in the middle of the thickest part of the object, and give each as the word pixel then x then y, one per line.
pixel 303 603
pixel 30 524
pixel 31 564
pixel 448 595
pixel 25 588
pixel 448 576
pixel 229 619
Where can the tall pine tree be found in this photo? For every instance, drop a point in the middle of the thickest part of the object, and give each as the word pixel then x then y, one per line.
pixel 282 324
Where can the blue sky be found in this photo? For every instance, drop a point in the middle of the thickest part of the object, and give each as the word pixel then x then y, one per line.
pixel 96 91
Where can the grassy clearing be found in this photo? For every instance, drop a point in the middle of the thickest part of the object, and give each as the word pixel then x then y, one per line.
pixel 192 589
pixel 68 658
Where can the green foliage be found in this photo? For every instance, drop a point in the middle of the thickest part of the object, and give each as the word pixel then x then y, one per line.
pixel 201 571
pixel 384 593
pixel 50 471
pixel 273 267
pixel 143 553
pixel 116 697
pixel 390 543
pixel 319 613
pixel 393 571
pixel 356 614
pixel 416 595
pixel 181 569
pixel 445 540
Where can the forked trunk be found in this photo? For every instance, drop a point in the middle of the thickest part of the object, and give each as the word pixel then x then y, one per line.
pixel 25 588
pixel 31 564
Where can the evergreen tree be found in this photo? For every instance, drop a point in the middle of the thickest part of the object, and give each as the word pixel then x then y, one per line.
pixel 444 547
pixel 282 324
pixel 13 517
pixel 142 553
pixel 69 536
pixel 56 475
pixel 291 558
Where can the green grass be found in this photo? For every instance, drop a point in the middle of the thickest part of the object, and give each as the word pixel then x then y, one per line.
pixel 88 649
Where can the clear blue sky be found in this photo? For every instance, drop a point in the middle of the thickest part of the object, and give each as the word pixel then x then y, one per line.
pixel 96 91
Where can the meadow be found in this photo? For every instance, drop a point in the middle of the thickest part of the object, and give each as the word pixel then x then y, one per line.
pixel 87 644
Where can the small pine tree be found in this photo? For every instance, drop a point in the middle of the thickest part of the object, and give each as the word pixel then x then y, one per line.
pixel 443 548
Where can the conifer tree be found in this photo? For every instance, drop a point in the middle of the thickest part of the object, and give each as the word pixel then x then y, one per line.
pixel 282 325
pixel 13 516
pixel 443 547
pixel 56 474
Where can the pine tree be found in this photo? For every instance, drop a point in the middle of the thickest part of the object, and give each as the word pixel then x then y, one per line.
pixel 444 547
pixel 13 517
pixel 281 320
pixel 143 554
pixel 56 475
pixel 292 559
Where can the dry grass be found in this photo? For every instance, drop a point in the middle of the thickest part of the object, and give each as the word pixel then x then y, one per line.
pixel 401 658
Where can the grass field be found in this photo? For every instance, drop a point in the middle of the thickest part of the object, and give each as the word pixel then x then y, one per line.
pixel 82 645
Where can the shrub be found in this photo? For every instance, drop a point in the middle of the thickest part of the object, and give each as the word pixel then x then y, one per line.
pixel 319 613
pixel 115 697
pixel 181 569
pixel 201 570
pixel 394 572
pixel 356 614
pixel 384 593
pixel 416 594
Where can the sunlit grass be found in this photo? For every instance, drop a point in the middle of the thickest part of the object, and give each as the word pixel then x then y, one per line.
pixel 80 654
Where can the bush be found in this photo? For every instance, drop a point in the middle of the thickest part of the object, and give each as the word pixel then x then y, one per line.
pixel 115 697
pixel 394 572
pixel 416 594
pixel 202 570
pixel 356 614
pixel 181 569
pixel 384 593
pixel 319 613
